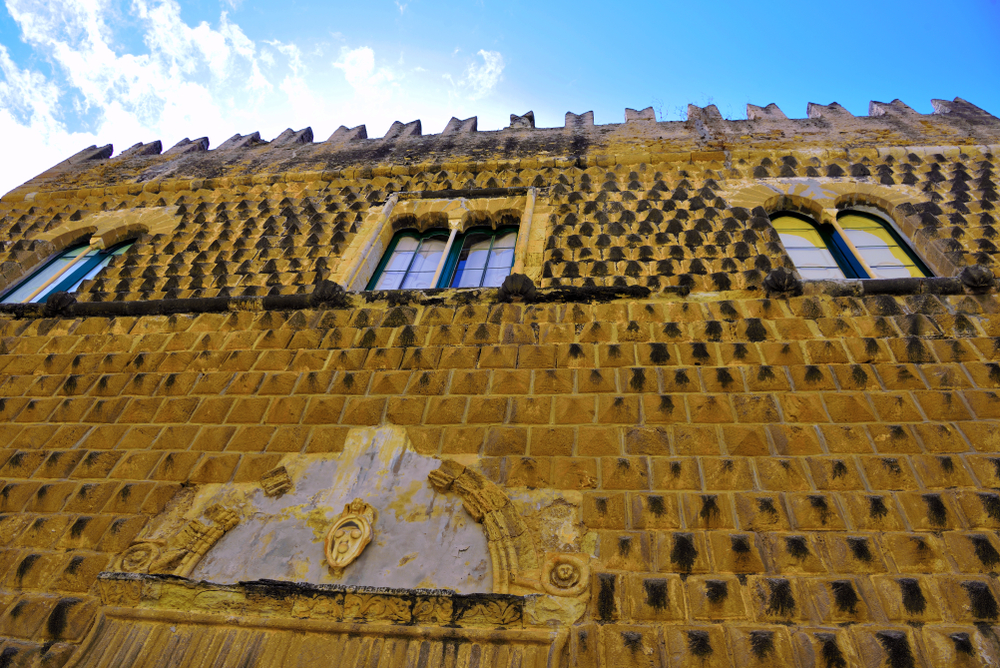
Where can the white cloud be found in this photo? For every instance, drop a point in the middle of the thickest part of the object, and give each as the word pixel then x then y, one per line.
pixel 402 6
pixel 482 79
pixel 358 66
pixel 204 79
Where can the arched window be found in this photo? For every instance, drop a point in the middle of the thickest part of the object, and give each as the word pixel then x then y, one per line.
pixel 64 273
pixel 481 257
pixel 858 246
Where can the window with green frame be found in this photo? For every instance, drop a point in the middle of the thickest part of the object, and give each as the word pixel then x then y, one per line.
pixel 481 257
pixel 872 248
pixel 64 273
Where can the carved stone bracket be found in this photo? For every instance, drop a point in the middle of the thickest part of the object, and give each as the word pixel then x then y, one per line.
pixel 179 554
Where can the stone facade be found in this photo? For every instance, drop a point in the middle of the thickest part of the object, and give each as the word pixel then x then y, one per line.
pixel 653 446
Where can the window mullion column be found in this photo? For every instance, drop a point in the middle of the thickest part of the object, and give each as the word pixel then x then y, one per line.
pixel 444 257
pixel 56 276
pixel 850 244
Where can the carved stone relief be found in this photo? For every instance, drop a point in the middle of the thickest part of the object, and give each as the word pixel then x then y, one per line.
pixel 517 569
pixel 276 482
pixel 181 552
pixel 349 535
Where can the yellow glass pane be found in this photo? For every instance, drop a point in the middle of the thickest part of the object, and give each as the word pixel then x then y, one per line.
pixel 797 232
pixel 878 247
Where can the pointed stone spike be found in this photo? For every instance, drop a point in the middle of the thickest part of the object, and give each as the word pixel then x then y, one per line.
pixel 646 114
pixel 522 122
pixel 832 110
pixel 709 113
pixel 399 130
pixel 240 141
pixel 584 120
pixel 187 146
pixel 770 112
pixel 346 134
pixel 895 108
pixel 290 136
pixel 456 126
pixel 959 107
pixel 91 153
pixel 152 148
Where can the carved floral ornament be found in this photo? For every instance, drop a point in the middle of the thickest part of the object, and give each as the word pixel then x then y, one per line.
pixel 181 552
pixel 349 535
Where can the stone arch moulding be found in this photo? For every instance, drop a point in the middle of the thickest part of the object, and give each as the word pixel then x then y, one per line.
pixel 518 568
pixel 457 214
pixel 824 198
pixel 106 228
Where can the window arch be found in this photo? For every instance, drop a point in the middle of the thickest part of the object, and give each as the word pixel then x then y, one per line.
pixel 479 257
pixel 64 273
pixel 858 245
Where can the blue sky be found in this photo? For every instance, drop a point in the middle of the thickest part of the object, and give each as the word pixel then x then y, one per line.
pixel 83 72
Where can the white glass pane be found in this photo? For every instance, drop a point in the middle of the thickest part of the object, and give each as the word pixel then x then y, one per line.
pixel 468 278
pixel 407 244
pixel 390 280
pixel 502 258
pixel 494 277
pixel 862 238
pixel 429 255
pixel 476 252
pixel 799 241
pixel 894 272
pixel 399 260
pixel 39 279
pixel 418 280
pixel 816 273
pixel 875 256
pixel 508 240
pixel 811 257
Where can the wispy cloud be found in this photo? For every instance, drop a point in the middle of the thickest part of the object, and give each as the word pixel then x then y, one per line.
pixel 483 78
pixel 192 80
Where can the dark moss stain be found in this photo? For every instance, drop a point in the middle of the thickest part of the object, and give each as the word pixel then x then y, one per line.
pixel 666 404
pixel 716 591
pixel 797 547
pixel 638 380
pixel 860 549
pixel 25 566
pixel 709 508
pixel 683 552
pixel 766 505
pixel 947 464
pixel 985 552
pixel 7 656
pixel 656 593
pixel 740 544
pixel 991 504
pixel 897 649
pixel 780 601
pixel 624 546
pixel 56 623
pixel 839 469
pixel 74 565
pixel 681 377
pixel 761 643
pixel 981 601
pixel 891 465
pixel 606 597
pixel 623 464
pixel 833 657
pixel 78 527
pixel 658 353
pixel 724 377
pixel 844 596
pixel 813 374
pixel 913 597
pixel 822 508
pixel 675 470
pixel 699 351
pixel 632 641
pixel 655 505
pixel 699 644
pixel 937 513
pixel 876 507
pixel 963 645
pixel 601 505
pixel 765 373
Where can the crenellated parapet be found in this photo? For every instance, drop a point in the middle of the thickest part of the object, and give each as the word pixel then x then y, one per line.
pixel 825 126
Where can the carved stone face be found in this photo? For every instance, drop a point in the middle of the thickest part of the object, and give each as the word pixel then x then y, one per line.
pixel 349 535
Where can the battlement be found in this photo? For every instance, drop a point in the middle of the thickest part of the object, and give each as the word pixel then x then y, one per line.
pixel 893 124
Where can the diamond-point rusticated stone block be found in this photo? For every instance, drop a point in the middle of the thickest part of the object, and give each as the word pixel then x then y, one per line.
pixel 770 112
pixel 646 114
pixel 346 134
pixel 524 122
pixel 399 130
pixel 584 120
pixel 456 126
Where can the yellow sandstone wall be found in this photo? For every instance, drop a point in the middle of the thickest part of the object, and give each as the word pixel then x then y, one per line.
pixel 750 477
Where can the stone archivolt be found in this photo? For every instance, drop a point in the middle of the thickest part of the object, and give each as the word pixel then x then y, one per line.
pixel 180 553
